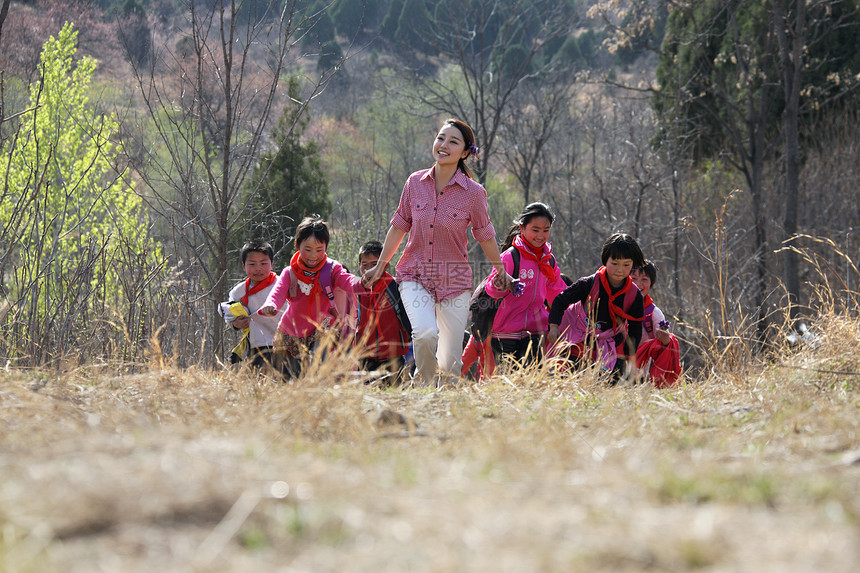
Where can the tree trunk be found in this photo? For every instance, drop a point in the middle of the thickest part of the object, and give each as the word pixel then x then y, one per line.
pixel 791 64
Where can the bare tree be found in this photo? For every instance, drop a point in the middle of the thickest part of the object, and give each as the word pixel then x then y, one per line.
pixel 800 40
pixel 488 49
pixel 539 106
pixel 209 101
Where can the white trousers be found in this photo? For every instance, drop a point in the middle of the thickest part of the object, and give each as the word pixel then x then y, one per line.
pixel 437 331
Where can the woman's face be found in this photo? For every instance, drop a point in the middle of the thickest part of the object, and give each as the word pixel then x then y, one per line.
pixel 449 147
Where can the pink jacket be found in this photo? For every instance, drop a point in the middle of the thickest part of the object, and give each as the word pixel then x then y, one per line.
pixel 526 312
pixel 299 319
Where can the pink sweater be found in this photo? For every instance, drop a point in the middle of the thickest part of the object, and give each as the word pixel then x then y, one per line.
pixel 299 319
pixel 518 315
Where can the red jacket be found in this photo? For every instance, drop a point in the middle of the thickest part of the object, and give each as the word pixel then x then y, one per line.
pixel 379 330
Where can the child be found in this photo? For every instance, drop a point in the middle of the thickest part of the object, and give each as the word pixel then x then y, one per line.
pixel 250 294
pixel 379 331
pixel 481 353
pixel 436 208
pixel 309 283
pixel 659 354
pixel 521 319
pixel 606 321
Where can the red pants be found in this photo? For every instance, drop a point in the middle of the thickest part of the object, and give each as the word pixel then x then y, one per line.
pixel 483 353
pixel 665 361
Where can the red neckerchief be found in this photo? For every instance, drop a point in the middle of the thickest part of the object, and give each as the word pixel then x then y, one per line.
pixel 648 301
pixel 257 287
pixel 308 275
pixel 527 251
pixel 615 309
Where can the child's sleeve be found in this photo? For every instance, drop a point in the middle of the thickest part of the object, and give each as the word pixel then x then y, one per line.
pixel 576 292
pixel 555 287
pixel 278 294
pixel 508 262
pixel 345 280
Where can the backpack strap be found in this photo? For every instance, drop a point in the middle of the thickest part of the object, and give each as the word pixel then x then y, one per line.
pixel 325 283
pixel 515 255
pixel 629 298
pixel 648 321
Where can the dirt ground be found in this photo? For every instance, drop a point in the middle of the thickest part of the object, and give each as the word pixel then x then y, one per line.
pixel 214 471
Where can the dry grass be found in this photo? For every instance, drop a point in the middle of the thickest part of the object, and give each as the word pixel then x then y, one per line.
pixel 754 469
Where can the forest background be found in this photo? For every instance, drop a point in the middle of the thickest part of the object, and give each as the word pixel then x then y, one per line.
pixel 146 141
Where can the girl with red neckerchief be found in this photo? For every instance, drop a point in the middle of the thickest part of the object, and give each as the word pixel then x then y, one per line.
pixel 309 308
pixel 607 309
pixel 521 320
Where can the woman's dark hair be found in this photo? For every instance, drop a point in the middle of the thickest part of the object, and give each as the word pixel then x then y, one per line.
pixel 257 246
pixel 312 226
pixel 468 140
pixel 532 210
pixel 622 246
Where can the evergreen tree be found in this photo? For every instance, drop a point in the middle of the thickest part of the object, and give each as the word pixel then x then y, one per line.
pixel 290 182
pixel 350 16
pixel 319 25
pixel 414 25
pixel 391 20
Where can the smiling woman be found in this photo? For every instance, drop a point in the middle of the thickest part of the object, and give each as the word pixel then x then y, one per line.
pixel 436 208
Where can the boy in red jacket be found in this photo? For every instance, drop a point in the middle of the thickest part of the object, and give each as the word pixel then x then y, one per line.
pixel 383 337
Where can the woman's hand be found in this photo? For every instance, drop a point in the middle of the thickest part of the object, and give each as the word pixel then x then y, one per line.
pixel 268 310
pixel 369 278
pixel 502 280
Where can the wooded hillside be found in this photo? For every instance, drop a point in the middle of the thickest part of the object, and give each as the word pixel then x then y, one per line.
pixel 153 138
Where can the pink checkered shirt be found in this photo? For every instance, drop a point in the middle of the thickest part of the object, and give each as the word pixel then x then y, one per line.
pixel 435 254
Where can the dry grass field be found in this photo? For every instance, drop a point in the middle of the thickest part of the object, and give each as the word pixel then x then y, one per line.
pixel 748 467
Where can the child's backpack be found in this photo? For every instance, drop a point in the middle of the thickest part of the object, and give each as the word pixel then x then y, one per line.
pixel 392 293
pixel 579 328
pixel 483 307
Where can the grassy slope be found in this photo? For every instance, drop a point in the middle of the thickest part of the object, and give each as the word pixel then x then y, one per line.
pixel 753 470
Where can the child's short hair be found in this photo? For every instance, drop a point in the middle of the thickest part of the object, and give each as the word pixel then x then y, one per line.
pixel 622 246
pixel 650 269
pixel 370 248
pixel 312 226
pixel 257 246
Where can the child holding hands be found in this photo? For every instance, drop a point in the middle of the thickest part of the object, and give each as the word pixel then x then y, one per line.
pixel 605 321
pixel 521 319
pixel 381 336
pixel 310 284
